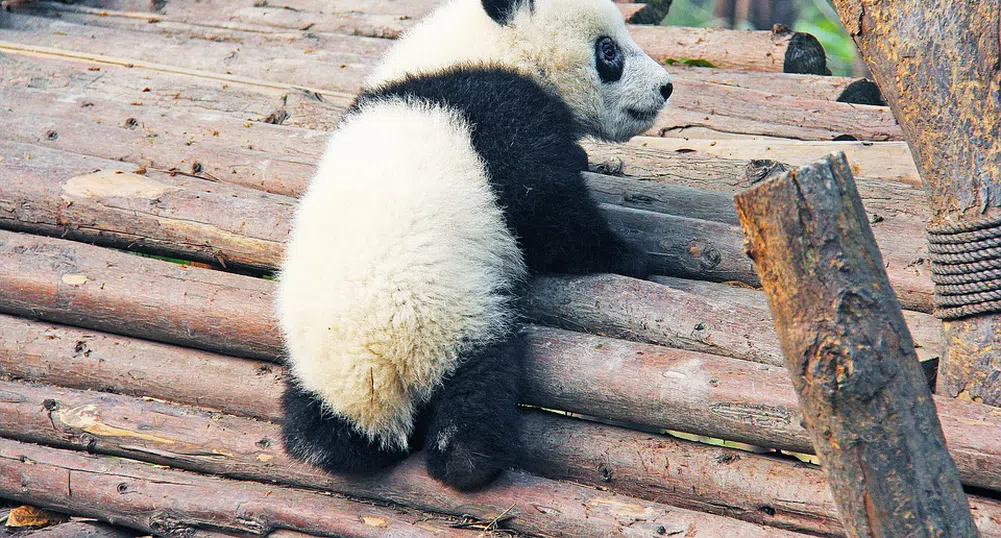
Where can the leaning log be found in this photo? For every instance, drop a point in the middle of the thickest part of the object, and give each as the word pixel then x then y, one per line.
pixel 865 403
pixel 136 494
pixel 937 65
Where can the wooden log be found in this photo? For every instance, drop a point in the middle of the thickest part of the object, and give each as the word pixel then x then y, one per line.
pixel 56 193
pixel 883 160
pixel 590 375
pixel 871 416
pixel 305 63
pixel 664 469
pixel 173 503
pixel 932 63
pixel 245 449
pixel 83 285
pixel 102 289
pixel 774 51
pixel 193 218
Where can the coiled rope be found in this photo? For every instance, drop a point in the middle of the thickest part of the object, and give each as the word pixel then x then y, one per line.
pixel 966 267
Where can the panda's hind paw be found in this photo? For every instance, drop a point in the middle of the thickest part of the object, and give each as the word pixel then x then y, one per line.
pixel 464 462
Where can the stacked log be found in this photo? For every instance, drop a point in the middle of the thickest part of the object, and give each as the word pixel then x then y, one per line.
pixel 115 361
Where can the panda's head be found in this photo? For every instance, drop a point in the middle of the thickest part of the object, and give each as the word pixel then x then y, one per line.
pixel 580 49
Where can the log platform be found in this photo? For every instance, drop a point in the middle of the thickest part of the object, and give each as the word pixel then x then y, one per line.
pixel 150 156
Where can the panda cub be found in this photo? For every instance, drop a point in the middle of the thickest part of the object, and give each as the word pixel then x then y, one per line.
pixel 454 176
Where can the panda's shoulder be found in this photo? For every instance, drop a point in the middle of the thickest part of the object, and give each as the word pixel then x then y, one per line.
pixel 486 96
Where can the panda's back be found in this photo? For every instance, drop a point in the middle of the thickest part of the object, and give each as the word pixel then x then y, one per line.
pixel 400 260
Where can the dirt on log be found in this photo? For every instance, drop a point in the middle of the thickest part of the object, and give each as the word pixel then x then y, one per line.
pixel 865 402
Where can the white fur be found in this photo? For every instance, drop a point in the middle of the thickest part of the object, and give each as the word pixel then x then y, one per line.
pixel 554 44
pixel 396 263
pixel 399 254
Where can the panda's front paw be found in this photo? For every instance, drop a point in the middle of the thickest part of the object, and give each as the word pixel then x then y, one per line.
pixel 634 262
pixel 465 460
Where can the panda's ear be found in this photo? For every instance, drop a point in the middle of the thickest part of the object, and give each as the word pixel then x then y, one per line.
pixel 502 11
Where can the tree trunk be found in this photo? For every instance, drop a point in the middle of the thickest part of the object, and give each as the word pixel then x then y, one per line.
pixel 865 403
pixel 937 64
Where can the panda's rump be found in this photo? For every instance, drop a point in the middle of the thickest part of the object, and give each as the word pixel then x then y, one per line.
pixel 399 262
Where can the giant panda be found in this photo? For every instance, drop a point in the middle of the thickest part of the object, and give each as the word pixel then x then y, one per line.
pixel 454 176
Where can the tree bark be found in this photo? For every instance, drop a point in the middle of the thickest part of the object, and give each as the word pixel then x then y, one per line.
pixel 936 64
pixel 869 413
pixel 82 529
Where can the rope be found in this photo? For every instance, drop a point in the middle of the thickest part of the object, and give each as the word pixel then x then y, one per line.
pixel 966 267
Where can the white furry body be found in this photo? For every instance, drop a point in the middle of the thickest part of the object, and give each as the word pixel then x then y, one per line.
pixel 398 261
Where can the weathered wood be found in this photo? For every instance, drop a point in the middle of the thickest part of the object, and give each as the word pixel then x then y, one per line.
pixel 83 285
pixel 936 65
pixel 241 448
pixel 93 287
pixel 194 218
pixel 653 467
pixel 590 375
pixel 57 193
pixel 868 410
pixel 82 529
pixel 805 86
pixel 877 160
pixel 306 63
pixel 750 51
pixel 133 493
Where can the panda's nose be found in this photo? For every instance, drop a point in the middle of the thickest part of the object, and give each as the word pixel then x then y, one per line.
pixel 666 90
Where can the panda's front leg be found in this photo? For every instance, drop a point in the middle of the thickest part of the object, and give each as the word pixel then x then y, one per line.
pixel 474 424
pixel 566 232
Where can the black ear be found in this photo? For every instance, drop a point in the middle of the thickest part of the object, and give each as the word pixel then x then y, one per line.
pixel 502 11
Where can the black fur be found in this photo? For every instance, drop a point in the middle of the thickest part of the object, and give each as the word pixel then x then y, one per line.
pixel 501 11
pixel 473 434
pixel 805 55
pixel 327 440
pixel 528 139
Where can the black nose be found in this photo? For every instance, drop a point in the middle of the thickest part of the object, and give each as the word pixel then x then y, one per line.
pixel 666 90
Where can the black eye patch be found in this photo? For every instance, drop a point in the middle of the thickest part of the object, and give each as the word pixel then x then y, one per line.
pixel 608 59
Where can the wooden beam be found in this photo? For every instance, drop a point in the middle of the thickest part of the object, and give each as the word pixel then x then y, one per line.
pixel 84 285
pixel 865 402
pixel 751 51
pixel 591 375
pixel 244 449
pixel 937 65
pixel 687 474
pixel 289 62
pixel 175 503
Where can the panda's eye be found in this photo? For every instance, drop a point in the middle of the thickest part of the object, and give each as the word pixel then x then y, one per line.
pixel 608 59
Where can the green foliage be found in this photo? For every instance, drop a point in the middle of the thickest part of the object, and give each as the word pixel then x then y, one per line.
pixel 694 62
pixel 816 17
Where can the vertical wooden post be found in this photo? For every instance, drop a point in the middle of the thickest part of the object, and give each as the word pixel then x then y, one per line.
pixel 869 413
pixel 939 66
